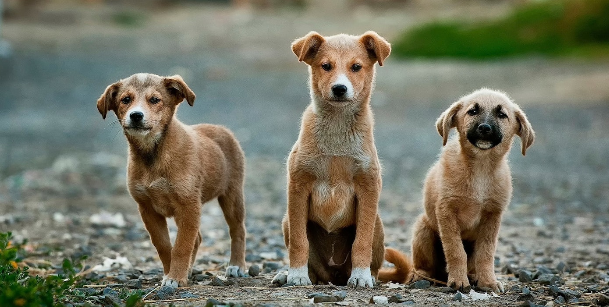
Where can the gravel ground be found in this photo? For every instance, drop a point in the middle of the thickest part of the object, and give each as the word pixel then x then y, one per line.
pixel 62 168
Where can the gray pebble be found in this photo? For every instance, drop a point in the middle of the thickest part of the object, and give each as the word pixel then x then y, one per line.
pixel 110 292
pixel 562 267
pixel 602 266
pixel 134 284
pixel 379 300
pixel 524 276
pixel 324 298
pixel 570 293
pixel 121 278
pixel 254 270
pixel 559 300
pixel 196 271
pixel 217 282
pixel 188 295
pixel 340 295
pixel 270 266
pixel 526 291
pixel 408 303
pixel 548 279
pixel 458 297
pixel 165 292
pixel 200 277
pixel 314 294
pixel 560 249
pixel 396 298
pixel 422 284
pixel 602 300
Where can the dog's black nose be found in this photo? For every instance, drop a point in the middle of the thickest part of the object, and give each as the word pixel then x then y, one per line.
pixel 136 116
pixel 484 128
pixel 339 90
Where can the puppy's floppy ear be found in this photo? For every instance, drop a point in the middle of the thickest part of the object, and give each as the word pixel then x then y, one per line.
pixel 446 121
pixel 525 130
pixel 107 101
pixel 177 87
pixel 378 48
pixel 305 48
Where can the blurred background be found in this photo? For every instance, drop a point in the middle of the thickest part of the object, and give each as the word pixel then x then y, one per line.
pixel 60 162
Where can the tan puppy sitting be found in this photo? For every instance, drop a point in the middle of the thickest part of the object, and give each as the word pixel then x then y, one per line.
pixel 332 229
pixel 467 190
pixel 173 169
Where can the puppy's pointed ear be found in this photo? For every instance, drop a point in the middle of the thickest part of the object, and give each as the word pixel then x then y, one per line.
pixel 525 131
pixel 446 121
pixel 178 88
pixel 378 48
pixel 107 101
pixel 305 48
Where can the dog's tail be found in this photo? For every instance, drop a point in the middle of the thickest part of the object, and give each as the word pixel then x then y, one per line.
pixel 403 270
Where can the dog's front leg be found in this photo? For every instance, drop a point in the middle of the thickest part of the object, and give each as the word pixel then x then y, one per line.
pixel 456 258
pixel 187 219
pixel 298 215
pixel 484 252
pixel 156 225
pixel 367 190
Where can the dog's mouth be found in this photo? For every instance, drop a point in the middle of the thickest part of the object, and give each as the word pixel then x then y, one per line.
pixel 339 101
pixel 141 130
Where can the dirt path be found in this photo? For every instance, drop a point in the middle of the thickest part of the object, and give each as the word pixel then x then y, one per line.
pixel 60 163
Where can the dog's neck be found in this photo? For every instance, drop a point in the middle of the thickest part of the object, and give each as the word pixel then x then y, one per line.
pixel 340 130
pixel 147 149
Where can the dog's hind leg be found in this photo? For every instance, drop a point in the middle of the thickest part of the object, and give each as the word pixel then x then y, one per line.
pixel 233 207
pixel 426 252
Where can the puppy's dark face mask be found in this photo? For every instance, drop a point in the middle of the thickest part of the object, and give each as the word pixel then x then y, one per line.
pixel 485 125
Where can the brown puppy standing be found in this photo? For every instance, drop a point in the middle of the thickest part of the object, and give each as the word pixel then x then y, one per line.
pixel 332 229
pixel 173 169
pixel 466 192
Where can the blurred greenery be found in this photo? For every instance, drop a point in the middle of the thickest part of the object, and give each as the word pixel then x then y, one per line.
pixel 554 28
pixel 129 18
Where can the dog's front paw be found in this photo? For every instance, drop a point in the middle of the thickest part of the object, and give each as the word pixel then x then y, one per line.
pixel 360 278
pixel 495 286
pixel 234 271
pixel 173 282
pixel 299 276
pixel 460 283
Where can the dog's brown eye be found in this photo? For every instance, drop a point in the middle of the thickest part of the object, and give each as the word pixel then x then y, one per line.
pixel 326 66
pixel 154 100
pixel 356 67
pixel 501 114
pixel 126 100
pixel 472 112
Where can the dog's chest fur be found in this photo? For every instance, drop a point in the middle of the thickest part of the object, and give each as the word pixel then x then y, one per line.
pixel 339 155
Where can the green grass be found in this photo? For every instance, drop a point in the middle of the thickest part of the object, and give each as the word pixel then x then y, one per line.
pixel 553 28
pixel 18 288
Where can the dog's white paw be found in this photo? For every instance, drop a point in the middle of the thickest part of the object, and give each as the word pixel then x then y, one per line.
pixel 360 278
pixel 234 271
pixel 168 282
pixel 299 276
